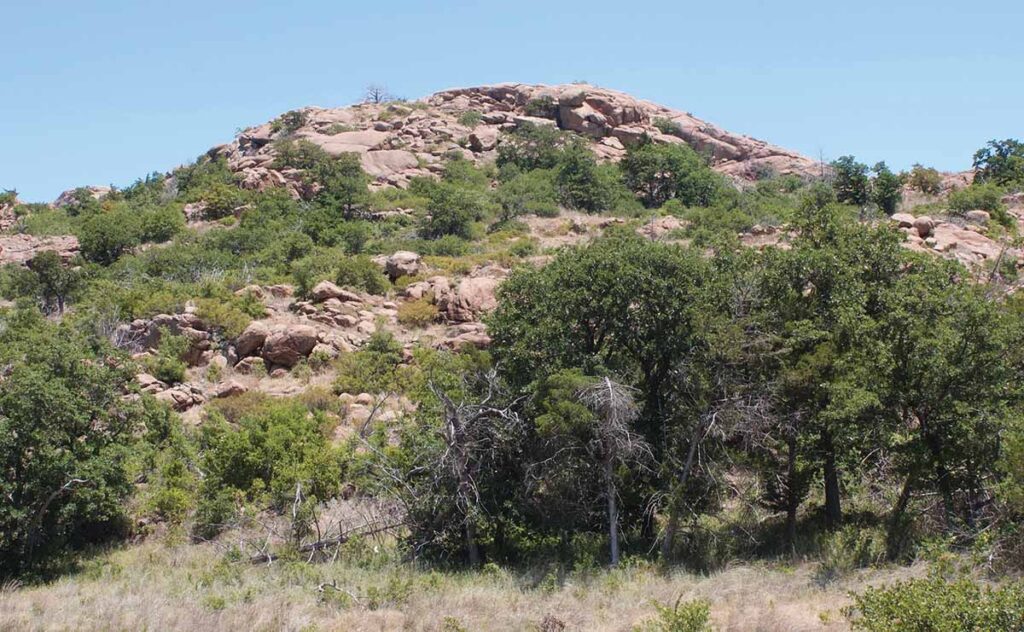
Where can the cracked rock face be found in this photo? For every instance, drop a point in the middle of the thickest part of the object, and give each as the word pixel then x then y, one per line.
pixel 399 141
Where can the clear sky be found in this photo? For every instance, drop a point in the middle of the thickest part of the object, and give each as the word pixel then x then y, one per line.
pixel 105 91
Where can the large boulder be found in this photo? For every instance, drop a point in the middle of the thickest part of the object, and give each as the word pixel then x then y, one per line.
pixel 326 290
pixel 924 226
pixel 473 297
pixel 285 347
pixel 403 263
pixel 251 340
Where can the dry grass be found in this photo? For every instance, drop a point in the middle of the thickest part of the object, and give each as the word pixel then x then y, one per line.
pixel 159 585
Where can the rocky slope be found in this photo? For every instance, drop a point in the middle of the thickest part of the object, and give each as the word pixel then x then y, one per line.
pixel 397 141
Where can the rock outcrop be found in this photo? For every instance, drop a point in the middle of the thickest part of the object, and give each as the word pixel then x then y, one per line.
pixel 21 249
pixel 398 141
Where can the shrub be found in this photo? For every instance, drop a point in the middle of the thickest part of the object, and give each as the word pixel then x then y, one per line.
pixel 531 147
pixel 684 616
pixel 290 122
pixel 667 126
pixel 372 369
pixel 658 173
pixel 224 316
pixel 543 107
pixel 417 313
pixel 470 118
pixel 452 210
pixel 161 224
pixel 275 448
pixel 938 605
pixel 985 197
pixel 925 179
pixel 104 237
pixel 361 273
pixel 65 433
pixel 530 192
pixel 167 365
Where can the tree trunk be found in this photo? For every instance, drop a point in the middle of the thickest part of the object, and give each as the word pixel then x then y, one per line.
pixel 613 511
pixel 833 508
pixel 942 476
pixel 472 549
pixel 792 493
pixel 892 544
pixel 667 541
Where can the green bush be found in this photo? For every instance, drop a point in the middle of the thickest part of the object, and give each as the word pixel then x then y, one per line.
pixel 417 313
pixel 452 210
pixel 104 237
pixel 667 126
pixel 985 197
pixel 161 224
pixel 361 273
pixel 529 192
pixel 683 616
pixel 372 369
pixel 1000 162
pixel 925 179
pixel 937 605
pixel 274 449
pixel 167 365
pixel 470 118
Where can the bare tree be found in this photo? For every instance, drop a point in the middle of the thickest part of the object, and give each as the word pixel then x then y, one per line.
pixel 615 441
pixel 470 432
pixel 376 93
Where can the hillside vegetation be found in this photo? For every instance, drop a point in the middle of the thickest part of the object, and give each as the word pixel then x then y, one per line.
pixel 528 378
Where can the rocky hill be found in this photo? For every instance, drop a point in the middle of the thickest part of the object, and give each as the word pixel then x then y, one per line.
pixel 400 140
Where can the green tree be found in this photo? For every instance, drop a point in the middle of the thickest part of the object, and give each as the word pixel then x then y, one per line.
pixel 850 180
pixel 56 280
pixel 64 435
pixel 661 172
pixel 886 189
pixel 1000 162
pixel 105 236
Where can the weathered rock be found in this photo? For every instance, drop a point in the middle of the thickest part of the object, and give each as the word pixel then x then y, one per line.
pixel 325 290
pixel 978 217
pixel 903 220
pixel 473 297
pixel 21 249
pixel 403 263
pixel 252 364
pixel 924 226
pixel 287 346
pixel 251 339
pixel 230 388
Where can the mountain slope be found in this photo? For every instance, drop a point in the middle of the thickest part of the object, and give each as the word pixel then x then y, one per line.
pixel 400 140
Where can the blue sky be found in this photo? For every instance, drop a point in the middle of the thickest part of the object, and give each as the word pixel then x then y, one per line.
pixel 104 91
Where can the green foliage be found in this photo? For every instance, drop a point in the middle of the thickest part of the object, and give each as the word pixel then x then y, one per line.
pixel 105 236
pixel 985 197
pixel 290 122
pixel 55 281
pixel 850 180
pixel 532 147
pixel 886 189
pixel 64 437
pixel 667 126
pixel 375 368
pixel 660 172
pixel 938 605
pixel 168 364
pixel 341 179
pixel 543 107
pixel 361 273
pixel 531 192
pixel 417 313
pixel 683 616
pixel 579 180
pixel 452 210
pixel 925 179
pixel 1001 163
pixel 274 450
pixel 470 118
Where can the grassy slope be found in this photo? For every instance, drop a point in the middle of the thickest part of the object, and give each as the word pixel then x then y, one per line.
pixel 161 585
